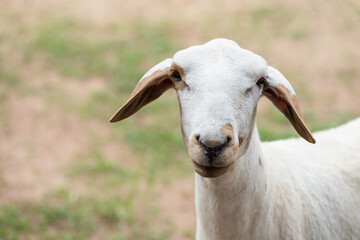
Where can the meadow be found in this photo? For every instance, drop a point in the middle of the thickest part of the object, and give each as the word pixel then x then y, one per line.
pixel 67 66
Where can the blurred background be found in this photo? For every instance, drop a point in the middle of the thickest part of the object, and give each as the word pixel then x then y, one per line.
pixel 67 66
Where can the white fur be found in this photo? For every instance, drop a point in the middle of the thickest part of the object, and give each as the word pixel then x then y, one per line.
pixel 285 189
pixel 279 190
pixel 161 66
pixel 273 73
pixel 299 191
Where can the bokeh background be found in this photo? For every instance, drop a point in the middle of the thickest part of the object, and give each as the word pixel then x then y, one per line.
pixel 66 66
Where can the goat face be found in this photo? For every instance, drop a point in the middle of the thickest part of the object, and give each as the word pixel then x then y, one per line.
pixel 218 86
pixel 218 102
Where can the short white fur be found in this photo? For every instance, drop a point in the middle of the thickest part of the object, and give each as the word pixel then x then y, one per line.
pixel 286 189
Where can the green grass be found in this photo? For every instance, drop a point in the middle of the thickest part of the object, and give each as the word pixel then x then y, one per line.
pixel 118 56
pixel 270 20
pixel 11 222
pixel 7 78
pixel 122 60
pixel 154 134
pixel 2 37
pixel 299 33
pixel 8 82
pixel 73 56
pixel 160 149
pixel 267 13
pixel 64 216
pixel 348 77
pixel 269 134
pixel 106 174
pixel 333 121
pixel 100 105
pixel 96 163
pixel 189 234
pixel 276 126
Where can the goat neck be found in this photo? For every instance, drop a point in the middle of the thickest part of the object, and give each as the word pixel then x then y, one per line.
pixel 229 206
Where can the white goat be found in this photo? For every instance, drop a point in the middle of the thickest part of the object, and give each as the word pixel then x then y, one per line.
pixel 246 189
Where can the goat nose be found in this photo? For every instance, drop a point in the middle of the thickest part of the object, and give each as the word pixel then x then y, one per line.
pixel 213 148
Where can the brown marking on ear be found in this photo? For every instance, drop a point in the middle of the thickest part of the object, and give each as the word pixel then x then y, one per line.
pixel 146 91
pixel 153 79
pixel 260 163
pixel 289 106
pixel 178 84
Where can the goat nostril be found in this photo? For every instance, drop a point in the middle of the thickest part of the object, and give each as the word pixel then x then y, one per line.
pixel 206 151
pixel 197 136
pixel 212 148
pixel 213 151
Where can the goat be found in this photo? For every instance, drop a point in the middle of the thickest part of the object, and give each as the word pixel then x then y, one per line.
pixel 245 189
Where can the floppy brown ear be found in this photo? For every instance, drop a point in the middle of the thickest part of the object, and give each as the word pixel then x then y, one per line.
pixel 151 86
pixel 278 89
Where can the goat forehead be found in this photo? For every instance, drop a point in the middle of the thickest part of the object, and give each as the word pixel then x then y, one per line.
pixel 219 61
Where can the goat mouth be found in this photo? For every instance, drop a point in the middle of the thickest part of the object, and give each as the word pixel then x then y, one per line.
pixel 210 171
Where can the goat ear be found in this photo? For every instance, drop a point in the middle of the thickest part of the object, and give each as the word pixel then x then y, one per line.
pixel 278 89
pixel 151 86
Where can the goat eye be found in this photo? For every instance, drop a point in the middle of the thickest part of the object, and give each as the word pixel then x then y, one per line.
pixel 260 82
pixel 176 75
